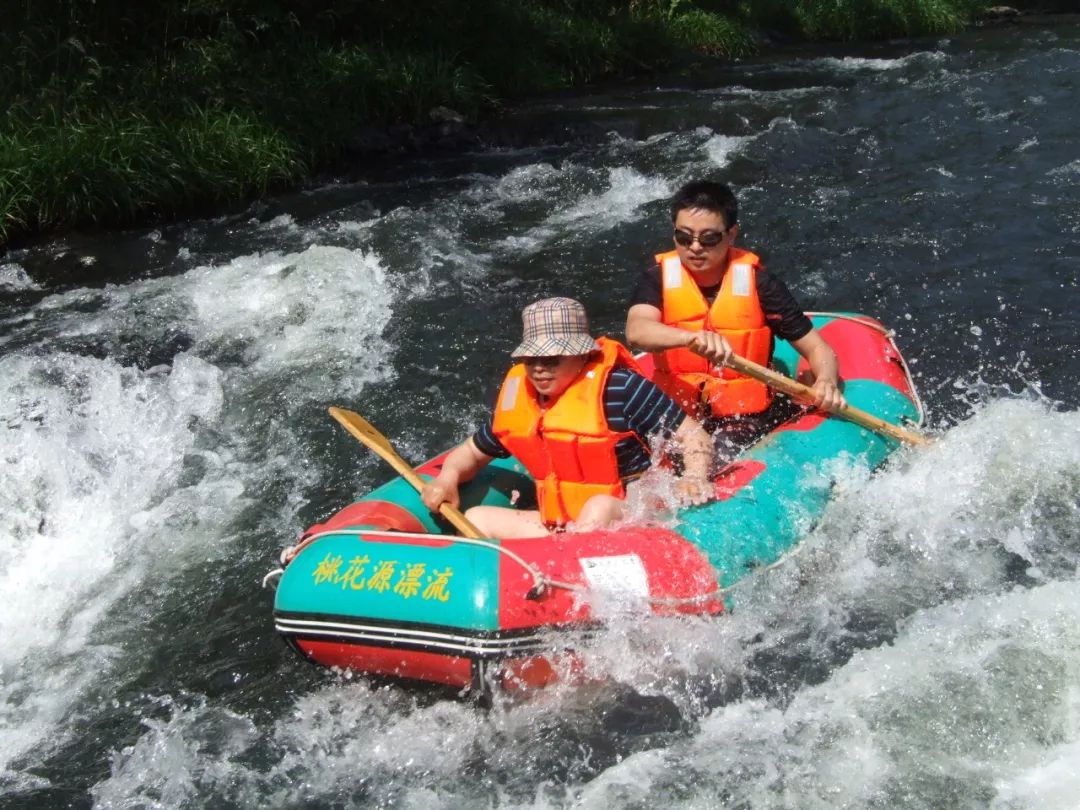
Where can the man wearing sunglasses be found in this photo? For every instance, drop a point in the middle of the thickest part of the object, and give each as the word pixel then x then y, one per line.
pixel 580 418
pixel 706 300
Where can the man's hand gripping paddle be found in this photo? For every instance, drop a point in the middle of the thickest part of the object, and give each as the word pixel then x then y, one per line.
pixel 805 393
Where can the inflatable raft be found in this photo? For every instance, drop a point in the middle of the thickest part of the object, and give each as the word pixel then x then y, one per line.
pixel 386 587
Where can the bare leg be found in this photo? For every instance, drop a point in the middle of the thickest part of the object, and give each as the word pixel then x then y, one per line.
pixel 599 511
pixel 507 524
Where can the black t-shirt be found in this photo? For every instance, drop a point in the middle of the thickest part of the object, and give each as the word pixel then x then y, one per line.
pixel 783 315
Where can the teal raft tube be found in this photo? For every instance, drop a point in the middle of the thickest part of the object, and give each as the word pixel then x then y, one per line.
pixel 385 587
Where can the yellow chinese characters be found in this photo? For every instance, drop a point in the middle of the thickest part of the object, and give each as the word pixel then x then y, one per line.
pixel 408 583
pixel 327 570
pixel 380 580
pixel 411 580
pixel 353 576
pixel 437 583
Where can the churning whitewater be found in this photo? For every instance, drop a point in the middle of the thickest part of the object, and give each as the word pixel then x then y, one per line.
pixel 163 396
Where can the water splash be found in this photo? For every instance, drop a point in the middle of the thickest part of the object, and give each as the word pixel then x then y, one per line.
pixel 880 663
pixel 13 278
pixel 90 449
pixel 118 476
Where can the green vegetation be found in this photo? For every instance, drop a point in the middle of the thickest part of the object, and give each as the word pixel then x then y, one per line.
pixel 865 19
pixel 117 112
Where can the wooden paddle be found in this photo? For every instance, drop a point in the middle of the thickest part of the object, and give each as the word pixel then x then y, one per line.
pixel 804 392
pixel 366 433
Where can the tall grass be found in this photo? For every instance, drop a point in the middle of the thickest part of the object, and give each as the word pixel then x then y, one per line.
pixel 113 112
pixel 711 33
pixel 124 166
pixel 862 19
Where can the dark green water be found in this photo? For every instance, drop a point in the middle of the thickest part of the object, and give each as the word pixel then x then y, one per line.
pixel 164 435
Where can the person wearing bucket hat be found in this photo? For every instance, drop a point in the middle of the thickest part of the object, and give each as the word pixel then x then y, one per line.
pixel 707 299
pixel 579 415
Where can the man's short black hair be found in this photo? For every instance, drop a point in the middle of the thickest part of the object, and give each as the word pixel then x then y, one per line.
pixel 706 195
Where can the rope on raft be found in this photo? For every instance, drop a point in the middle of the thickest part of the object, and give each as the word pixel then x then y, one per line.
pixel 540 582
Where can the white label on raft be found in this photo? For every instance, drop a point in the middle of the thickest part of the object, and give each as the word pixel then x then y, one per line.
pixel 740 279
pixel 509 397
pixel 620 576
pixel 672 273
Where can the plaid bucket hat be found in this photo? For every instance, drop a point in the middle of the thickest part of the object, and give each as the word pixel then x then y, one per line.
pixel 555 326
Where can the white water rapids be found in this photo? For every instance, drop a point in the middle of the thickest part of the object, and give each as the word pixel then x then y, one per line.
pixel 163 435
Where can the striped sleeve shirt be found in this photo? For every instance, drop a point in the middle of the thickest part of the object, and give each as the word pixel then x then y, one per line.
pixel 631 402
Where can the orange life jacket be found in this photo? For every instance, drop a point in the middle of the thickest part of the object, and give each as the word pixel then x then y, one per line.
pixel 565 444
pixel 690 379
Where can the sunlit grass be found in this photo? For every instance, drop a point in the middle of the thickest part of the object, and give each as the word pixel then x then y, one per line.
pixel 863 19
pixel 714 34
pixel 115 167
pixel 113 113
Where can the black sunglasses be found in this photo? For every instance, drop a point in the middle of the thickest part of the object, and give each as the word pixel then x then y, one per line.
pixel 549 361
pixel 707 239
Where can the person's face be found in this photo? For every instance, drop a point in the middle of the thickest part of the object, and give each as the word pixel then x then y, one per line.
pixel 698 224
pixel 553 375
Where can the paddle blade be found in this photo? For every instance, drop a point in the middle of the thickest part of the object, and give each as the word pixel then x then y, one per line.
pixel 363 430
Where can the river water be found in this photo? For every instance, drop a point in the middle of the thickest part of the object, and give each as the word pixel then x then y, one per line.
pixel 164 433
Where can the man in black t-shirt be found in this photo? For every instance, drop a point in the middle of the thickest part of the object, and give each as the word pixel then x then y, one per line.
pixel 692 305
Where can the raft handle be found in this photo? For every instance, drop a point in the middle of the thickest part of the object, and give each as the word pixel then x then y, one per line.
pixel 271 579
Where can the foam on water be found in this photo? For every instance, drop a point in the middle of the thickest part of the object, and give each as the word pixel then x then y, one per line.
pixel 758 94
pixel 966 700
pixel 118 473
pixel 918 649
pixel 13 278
pixel 934 668
pixel 311 320
pixel 624 194
pixel 855 64
pixel 720 149
pixel 537 207
pixel 1068 169
pixel 627 192
pixel 529 183
pixel 1052 781
pixel 89 447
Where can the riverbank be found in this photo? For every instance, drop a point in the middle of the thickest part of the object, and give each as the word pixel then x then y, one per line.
pixel 117 116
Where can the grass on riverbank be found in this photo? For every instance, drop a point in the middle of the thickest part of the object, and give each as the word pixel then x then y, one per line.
pixel 118 113
pixel 865 19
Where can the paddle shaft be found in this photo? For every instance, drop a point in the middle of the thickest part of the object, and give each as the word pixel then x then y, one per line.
pixel 804 392
pixel 368 435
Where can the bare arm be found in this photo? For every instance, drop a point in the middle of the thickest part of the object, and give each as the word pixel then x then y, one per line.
pixel 645 330
pixel 697 451
pixel 825 368
pixel 461 465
